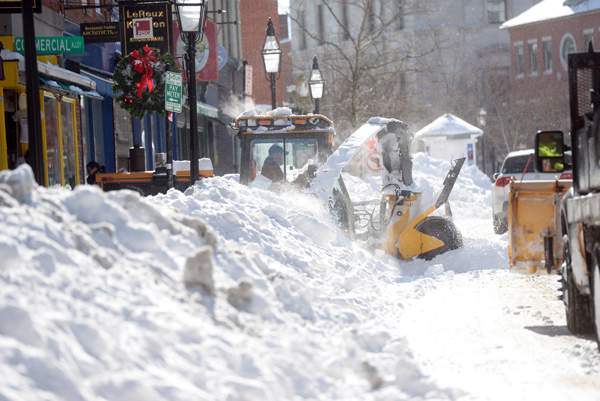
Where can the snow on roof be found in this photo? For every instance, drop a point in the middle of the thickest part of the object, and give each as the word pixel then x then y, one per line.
pixel 552 9
pixel 448 125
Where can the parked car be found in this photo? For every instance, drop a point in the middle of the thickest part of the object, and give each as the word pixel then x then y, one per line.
pixel 519 166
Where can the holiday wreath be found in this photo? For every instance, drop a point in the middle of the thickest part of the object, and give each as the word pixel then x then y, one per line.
pixel 139 81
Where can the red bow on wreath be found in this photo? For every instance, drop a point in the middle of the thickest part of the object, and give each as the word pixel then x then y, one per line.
pixel 142 64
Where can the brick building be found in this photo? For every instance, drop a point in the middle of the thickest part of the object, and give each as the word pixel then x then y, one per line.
pixel 541 39
pixel 254 15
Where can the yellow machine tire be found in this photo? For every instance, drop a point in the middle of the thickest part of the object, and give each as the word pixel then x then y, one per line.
pixel 442 229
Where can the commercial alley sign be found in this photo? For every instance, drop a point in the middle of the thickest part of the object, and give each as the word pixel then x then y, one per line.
pixel 48 45
pixel 146 24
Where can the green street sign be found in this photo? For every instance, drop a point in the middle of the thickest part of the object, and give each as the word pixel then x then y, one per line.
pixel 173 92
pixel 47 45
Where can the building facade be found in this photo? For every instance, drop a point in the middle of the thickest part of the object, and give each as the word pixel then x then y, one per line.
pixel 539 49
pixel 438 56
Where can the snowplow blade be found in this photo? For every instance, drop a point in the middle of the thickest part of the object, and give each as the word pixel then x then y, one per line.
pixel 534 237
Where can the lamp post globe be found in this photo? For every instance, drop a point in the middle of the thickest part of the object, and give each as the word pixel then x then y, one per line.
pixel 191 15
pixel 271 55
pixel 316 84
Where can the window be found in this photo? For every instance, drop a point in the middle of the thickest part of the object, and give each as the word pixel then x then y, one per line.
pixel 567 46
pixel 345 20
pixel 52 147
pixel 98 9
pixel 519 59
pixel 371 15
pixel 588 37
pixel 547 49
pixel 321 23
pixel 302 19
pixel 277 160
pixel 284 34
pixel 518 164
pixel 400 12
pixel 533 64
pixel 496 11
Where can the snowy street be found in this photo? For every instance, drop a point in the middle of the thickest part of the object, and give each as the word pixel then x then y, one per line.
pixel 231 293
pixel 497 335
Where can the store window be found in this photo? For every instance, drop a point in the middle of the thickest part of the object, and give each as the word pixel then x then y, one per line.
pixel 567 46
pixel 52 146
pixel 496 11
pixel 547 50
pixel 68 141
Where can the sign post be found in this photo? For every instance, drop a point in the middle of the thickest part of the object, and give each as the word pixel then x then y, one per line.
pixel 173 92
pixel 34 120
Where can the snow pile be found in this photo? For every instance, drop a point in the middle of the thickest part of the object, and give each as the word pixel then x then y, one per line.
pixel 220 293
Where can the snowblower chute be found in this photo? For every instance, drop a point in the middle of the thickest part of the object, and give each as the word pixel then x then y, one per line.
pixel 401 221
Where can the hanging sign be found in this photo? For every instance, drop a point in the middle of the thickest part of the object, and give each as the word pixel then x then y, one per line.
pixel 47 45
pixel 173 92
pixel 146 24
pixel 97 32
pixel 248 80
pixel 15 6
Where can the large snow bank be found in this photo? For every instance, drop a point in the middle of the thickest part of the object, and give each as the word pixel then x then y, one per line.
pixel 94 305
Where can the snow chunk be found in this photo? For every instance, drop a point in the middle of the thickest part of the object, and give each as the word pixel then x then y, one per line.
pixel 19 183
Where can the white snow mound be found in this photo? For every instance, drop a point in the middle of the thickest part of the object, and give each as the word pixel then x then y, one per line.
pixel 223 292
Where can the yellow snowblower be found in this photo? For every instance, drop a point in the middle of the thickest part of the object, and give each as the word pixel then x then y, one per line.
pixel 411 230
pixel 401 222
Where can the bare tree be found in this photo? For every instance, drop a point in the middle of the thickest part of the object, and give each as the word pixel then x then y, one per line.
pixel 366 56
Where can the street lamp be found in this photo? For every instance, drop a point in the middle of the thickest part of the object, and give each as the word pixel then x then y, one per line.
pixel 316 84
pixel 482 123
pixel 271 54
pixel 191 15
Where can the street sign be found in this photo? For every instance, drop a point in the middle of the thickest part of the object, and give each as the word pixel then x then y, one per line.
pixel 15 6
pixel 96 32
pixel 47 45
pixel 173 92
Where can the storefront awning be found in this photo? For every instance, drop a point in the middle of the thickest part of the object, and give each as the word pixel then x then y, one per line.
pixel 62 74
pixel 207 110
pixel 69 88
pixel 103 85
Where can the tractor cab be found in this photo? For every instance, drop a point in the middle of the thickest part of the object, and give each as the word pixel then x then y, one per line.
pixel 279 149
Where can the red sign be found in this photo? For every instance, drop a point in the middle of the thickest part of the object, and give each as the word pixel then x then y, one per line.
pixel 210 72
pixel 206 53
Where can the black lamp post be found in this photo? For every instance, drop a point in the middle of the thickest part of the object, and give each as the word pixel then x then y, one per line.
pixel 271 54
pixel 316 84
pixel 191 15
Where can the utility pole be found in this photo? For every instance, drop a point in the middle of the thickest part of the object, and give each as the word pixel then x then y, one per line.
pixel 34 119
